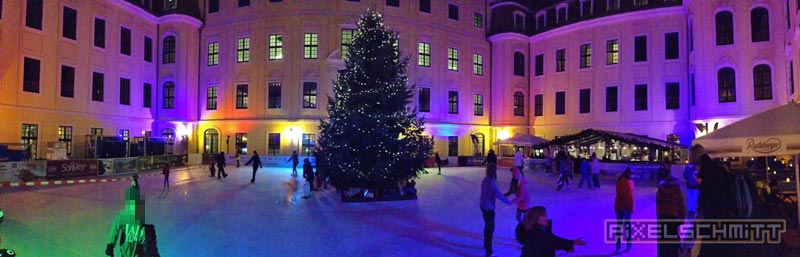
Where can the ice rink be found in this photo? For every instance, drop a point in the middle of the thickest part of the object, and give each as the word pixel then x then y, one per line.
pixel 203 216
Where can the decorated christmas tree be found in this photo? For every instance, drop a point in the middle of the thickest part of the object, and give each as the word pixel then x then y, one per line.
pixel 372 139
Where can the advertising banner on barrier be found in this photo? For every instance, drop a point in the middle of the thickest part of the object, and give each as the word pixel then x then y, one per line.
pixel 124 165
pixel 61 169
pixel 23 171
pixel 106 167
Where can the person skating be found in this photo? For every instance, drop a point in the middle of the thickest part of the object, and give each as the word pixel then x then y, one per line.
pixel 165 171
pixel 129 231
pixel 548 161
pixel 537 240
pixel 491 159
pixel 522 196
pixel 256 165
pixel 221 166
pixel 595 171
pixel 514 184
pixel 295 160
pixel 623 208
pixel 308 174
pixel 238 157
pixel 692 191
pixel 715 200
pixel 438 162
pixel 585 174
pixel 564 170
pixel 519 161
pixel 489 192
pixel 670 210
pixel 211 168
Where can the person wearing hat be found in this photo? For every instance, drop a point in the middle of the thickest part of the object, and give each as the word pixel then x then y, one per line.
pixel 715 198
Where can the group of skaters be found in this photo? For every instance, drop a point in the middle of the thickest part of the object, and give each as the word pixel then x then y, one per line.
pixel 703 194
pixel 565 165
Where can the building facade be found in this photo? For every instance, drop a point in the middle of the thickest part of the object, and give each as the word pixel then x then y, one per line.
pixel 217 75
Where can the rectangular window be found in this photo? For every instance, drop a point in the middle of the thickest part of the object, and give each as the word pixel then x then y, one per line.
pixel 126 134
pixel 640 100
pixel 96 131
pixel 585 101
pixel 691 78
pixel 395 3
pixel 70 23
pixel 586 56
pixel 309 142
pixel 213 6
pixel 478 105
pixel 65 136
pixel 691 36
pixel 310 45
pixel 148 49
pixel 452 59
pixel 612 52
pixel 274 101
pixel 519 104
pixel 791 78
pixel 452 146
pixel 99 33
pixel 125 41
pixel 1 9
pixel 477 20
pixel 274 144
pixel 124 91
pixel 538 105
pixel 452 12
pixel 519 64
pixel 31 74
pixel 425 6
pixel 241 143
pixel 640 49
pixel 561 99
pixel 671 46
pixel 147 95
pixel 347 39
pixel 168 51
pixel 539 65
pixel 241 96
pixel 673 96
pixel 211 98
pixel 611 99
pixel 424 56
pixel 169 95
pixel 561 59
pixel 452 102
pixel 586 8
pixel 477 64
pixel 33 14
pixel 424 99
pixel 170 5
pixel 67 81
pixel 276 47
pixel 310 95
pixel 30 139
pixel 243 49
pixel 244 3
pixel 613 5
pixel 98 86
pixel 213 54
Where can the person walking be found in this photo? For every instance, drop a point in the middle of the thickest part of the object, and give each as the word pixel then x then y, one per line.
pixel 237 156
pixel 563 170
pixel 221 166
pixel 670 211
pixel 548 161
pixel 295 160
pixel 308 174
pixel 595 171
pixel 165 172
pixel 585 174
pixel 491 158
pixel 522 197
pixel 256 160
pixel 519 161
pixel 489 192
pixel 211 168
pixel 438 162
pixel 623 208
pixel 715 200
pixel 536 238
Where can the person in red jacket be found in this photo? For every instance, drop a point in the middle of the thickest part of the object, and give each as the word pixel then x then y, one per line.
pixel 623 207
pixel 670 207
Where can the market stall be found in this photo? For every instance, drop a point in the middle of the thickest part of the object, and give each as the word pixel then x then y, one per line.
pixel 616 146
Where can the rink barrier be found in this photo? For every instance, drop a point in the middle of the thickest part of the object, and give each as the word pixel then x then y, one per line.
pixel 80 181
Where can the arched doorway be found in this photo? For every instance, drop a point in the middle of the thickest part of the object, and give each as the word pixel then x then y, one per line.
pixel 169 135
pixel 478 143
pixel 211 141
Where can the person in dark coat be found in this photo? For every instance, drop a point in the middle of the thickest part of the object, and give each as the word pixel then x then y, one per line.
pixel 670 210
pixel 211 168
pixel 623 208
pixel 165 172
pixel 308 174
pixel 537 240
pixel 715 200
pixel 295 160
pixel 489 192
pixel 221 166
pixel 491 158
pixel 256 165
pixel 438 163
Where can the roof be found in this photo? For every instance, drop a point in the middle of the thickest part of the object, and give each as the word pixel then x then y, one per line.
pixel 591 136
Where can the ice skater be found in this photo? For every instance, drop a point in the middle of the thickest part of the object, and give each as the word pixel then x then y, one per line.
pixel 238 157
pixel 165 171
pixel 595 171
pixel 537 240
pixel 438 162
pixel 585 174
pixel 211 168
pixel 563 170
pixel 489 192
pixel 491 158
pixel 135 238
pixel 221 166
pixel 308 174
pixel 256 165
pixel 623 208
pixel 295 160
pixel 522 197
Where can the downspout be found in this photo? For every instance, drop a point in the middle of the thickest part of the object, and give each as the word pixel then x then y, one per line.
pixel 196 122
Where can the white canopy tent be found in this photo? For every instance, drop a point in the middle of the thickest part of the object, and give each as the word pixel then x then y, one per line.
pixel 523 140
pixel 770 133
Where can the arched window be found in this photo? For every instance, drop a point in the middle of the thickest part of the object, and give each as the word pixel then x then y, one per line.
pixel 211 141
pixel 168 54
pixel 726 81
pixel 519 104
pixel 169 134
pixel 762 82
pixel 519 22
pixel 759 24
pixel 724 21
pixel 519 64
pixel 478 143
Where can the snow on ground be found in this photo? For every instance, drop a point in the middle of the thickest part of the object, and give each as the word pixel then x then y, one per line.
pixel 202 216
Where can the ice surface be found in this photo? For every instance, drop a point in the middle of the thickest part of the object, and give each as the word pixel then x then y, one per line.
pixel 203 216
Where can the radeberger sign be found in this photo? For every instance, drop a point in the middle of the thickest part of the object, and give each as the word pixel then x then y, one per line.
pixel 764 146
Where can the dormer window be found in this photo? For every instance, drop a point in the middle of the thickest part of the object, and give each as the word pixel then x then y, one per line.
pixel 519 22
pixel 613 5
pixel 170 5
pixel 561 14
pixel 586 8
pixel 541 22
